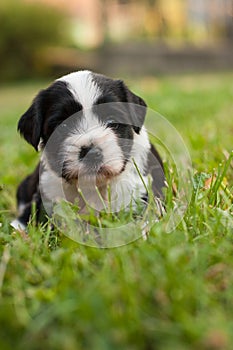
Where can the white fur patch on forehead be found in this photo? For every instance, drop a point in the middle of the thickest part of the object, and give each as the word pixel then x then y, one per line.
pixel 89 122
pixel 82 86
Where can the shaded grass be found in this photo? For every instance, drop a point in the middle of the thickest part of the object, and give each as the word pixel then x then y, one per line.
pixel 172 291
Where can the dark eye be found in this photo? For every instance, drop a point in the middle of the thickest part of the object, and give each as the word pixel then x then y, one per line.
pixel 112 124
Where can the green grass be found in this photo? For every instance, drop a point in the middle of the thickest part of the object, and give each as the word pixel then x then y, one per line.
pixel 171 291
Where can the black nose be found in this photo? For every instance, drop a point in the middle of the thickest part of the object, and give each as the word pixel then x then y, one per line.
pixel 90 155
pixel 83 151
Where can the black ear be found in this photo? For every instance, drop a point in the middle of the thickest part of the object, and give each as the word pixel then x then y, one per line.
pixel 30 124
pixel 137 108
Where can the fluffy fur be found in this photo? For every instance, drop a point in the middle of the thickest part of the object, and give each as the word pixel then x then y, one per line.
pixel 90 129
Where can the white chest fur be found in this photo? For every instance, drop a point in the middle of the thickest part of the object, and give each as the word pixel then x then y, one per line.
pixel 116 194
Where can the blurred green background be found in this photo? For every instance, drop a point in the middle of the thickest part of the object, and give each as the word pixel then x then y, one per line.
pixel 47 38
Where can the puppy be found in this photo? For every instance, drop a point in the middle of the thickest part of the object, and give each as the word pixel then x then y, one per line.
pixel 90 129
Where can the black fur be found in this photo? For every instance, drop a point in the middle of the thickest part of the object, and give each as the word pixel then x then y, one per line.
pixel 28 193
pixel 117 91
pixel 49 109
pixel 156 169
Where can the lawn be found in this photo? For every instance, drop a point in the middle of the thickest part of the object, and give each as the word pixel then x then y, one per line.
pixel 171 291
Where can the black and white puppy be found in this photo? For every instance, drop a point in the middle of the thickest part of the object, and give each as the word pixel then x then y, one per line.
pixel 90 129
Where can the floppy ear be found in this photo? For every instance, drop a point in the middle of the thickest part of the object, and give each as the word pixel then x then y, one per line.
pixel 30 124
pixel 137 108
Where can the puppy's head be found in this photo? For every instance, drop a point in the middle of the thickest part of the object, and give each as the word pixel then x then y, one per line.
pixel 92 119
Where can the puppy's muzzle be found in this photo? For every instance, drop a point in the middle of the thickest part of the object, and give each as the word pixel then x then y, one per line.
pixel 91 156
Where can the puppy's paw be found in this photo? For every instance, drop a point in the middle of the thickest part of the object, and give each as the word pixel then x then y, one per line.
pixel 17 225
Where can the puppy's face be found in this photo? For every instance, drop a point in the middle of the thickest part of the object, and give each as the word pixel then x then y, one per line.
pixel 91 120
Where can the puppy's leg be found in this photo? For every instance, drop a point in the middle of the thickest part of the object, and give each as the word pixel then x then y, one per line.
pixel 27 195
pixel 156 170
